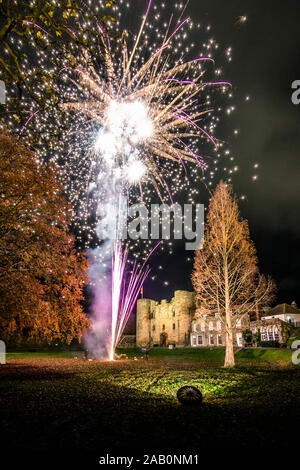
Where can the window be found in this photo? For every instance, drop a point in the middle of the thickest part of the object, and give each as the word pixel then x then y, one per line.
pixel 211 326
pixel 219 340
pixel 270 333
pixel 194 339
pixel 195 327
pixel 200 340
pixel 239 339
pixel 203 326
pixel 218 325
pixel 211 340
pixel 174 326
pixel 275 333
pixel 263 335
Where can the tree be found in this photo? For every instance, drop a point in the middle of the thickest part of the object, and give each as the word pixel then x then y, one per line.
pixel 41 274
pixel 40 38
pixel 226 277
pixel 248 337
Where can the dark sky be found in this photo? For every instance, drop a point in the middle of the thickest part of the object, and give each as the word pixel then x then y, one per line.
pixel 266 60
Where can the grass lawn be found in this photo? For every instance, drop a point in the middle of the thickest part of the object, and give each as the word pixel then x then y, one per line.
pixel 58 402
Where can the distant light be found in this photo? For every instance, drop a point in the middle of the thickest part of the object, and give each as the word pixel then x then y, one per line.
pixel 242 19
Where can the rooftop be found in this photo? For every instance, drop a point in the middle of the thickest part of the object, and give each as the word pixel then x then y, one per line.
pixel 283 309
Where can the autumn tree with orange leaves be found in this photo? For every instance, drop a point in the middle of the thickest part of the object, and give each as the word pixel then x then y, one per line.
pixel 226 277
pixel 41 274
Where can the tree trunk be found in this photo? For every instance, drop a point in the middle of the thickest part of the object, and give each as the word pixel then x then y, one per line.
pixel 229 353
pixel 257 312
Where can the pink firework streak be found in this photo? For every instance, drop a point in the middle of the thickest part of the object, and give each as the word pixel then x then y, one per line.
pixel 27 121
pixel 124 298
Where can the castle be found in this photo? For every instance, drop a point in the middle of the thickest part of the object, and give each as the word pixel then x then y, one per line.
pixel 174 324
pixel 163 323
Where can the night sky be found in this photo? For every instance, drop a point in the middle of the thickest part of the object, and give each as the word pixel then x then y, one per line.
pixel 265 62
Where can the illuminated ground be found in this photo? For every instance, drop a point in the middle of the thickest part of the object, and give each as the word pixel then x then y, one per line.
pixel 57 403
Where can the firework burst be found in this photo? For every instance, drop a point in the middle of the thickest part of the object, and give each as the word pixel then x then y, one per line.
pixel 146 110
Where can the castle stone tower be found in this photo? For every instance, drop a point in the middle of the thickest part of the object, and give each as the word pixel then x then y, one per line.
pixel 143 333
pixel 163 323
pixel 184 304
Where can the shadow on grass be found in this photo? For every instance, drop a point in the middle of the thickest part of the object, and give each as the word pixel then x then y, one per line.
pixel 55 412
pixel 22 372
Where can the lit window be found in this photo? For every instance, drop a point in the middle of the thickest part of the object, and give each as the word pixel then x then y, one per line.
pixel 276 333
pixel 239 339
pixel 270 333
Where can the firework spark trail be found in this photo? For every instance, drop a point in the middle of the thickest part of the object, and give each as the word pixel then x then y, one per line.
pixel 128 295
pixel 124 297
pixel 27 121
pixel 118 267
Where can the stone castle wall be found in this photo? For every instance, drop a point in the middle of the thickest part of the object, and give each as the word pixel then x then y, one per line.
pixel 163 323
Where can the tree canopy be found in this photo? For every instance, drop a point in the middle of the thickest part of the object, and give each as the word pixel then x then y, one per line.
pixel 41 274
pixel 39 39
